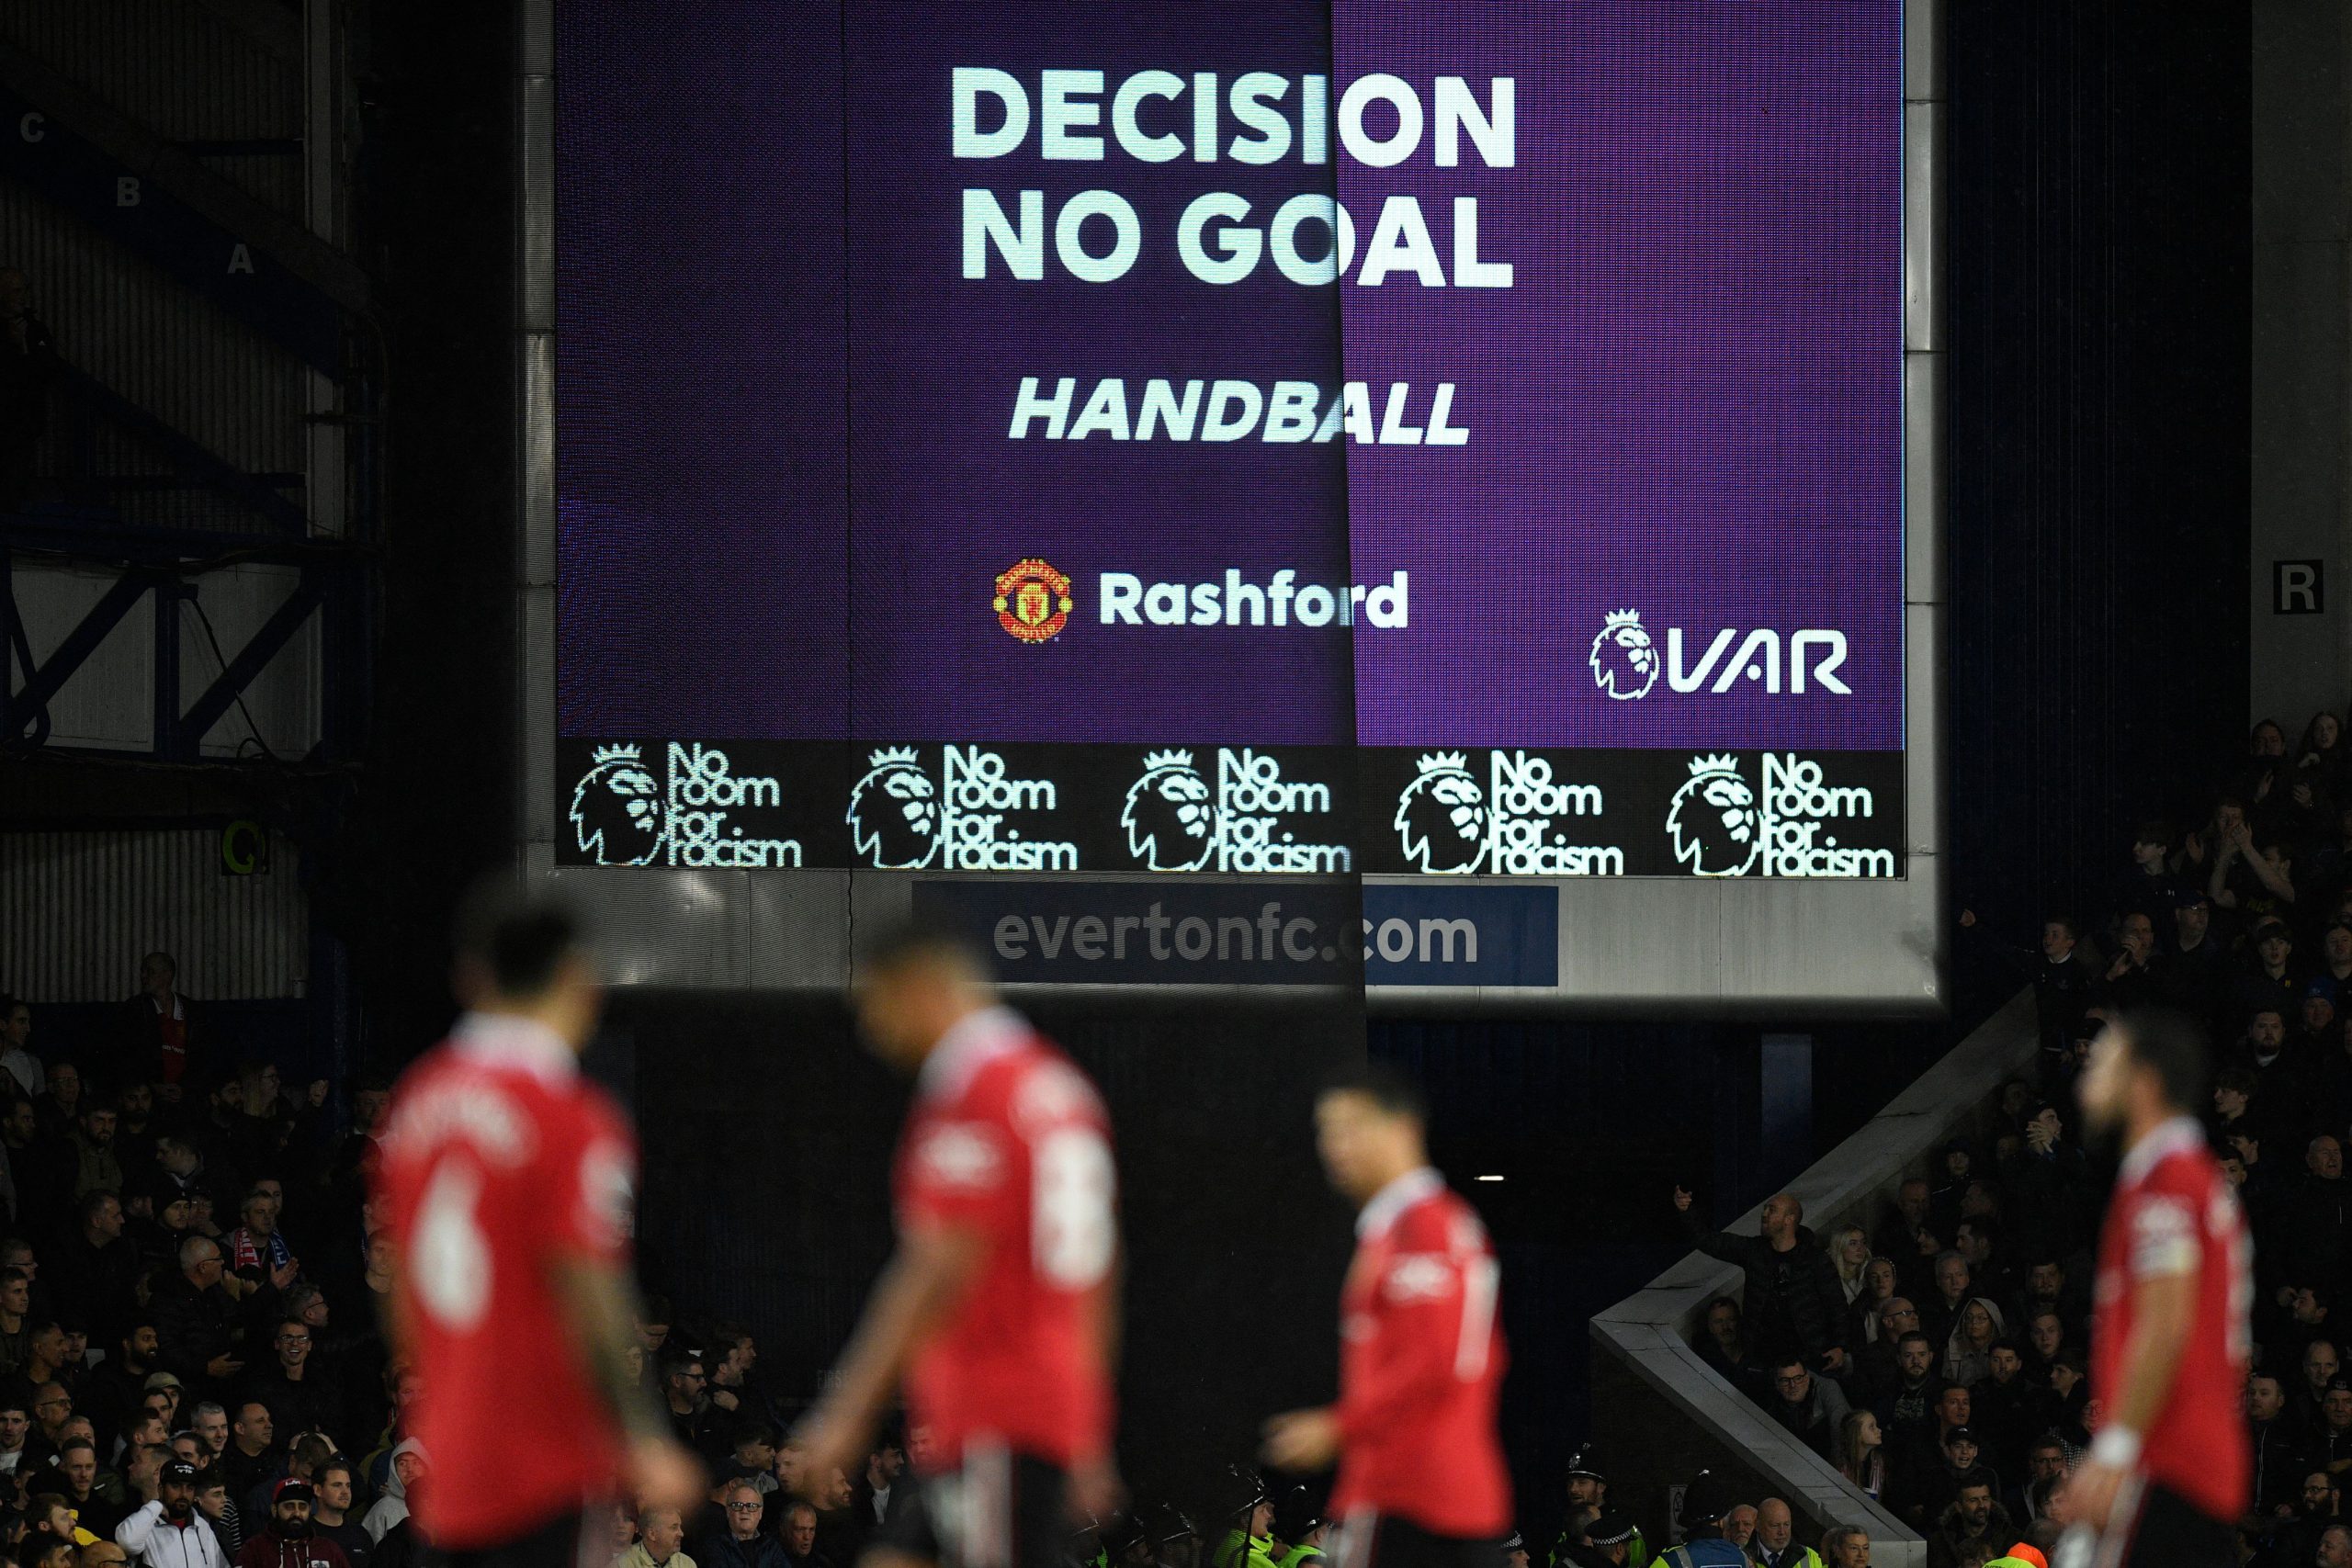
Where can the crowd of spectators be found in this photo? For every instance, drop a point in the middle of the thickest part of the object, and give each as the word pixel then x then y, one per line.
pixel 192 1369
pixel 1939 1358
pixel 193 1372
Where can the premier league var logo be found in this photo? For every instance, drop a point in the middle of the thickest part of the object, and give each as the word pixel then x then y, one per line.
pixel 1624 661
pixel 894 812
pixel 1716 821
pixel 618 818
pixel 1170 816
pixel 1441 817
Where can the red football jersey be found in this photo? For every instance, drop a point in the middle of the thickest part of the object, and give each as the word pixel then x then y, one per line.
pixel 500 1158
pixel 1008 1137
pixel 1421 1366
pixel 2173 1213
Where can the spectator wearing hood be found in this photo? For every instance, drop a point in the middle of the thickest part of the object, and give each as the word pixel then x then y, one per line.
pixel 1793 1292
pixel 408 1463
pixel 1968 1349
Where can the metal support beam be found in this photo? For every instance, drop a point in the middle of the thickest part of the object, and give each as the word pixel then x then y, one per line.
pixel 96 623
pixel 250 660
pixel 143 153
pixel 169 592
pixel 185 453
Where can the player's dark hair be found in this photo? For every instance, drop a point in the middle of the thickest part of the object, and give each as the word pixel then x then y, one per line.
pixel 2170 1047
pixel 896 944
pixel 519 938
pixel 1383 1085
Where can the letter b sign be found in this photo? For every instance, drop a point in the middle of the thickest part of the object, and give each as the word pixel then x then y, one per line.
pixel 2297 588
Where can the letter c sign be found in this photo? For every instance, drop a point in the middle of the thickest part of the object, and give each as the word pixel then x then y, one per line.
pixel 244 849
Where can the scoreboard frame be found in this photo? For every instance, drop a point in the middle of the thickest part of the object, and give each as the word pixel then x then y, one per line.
pixel 1652 946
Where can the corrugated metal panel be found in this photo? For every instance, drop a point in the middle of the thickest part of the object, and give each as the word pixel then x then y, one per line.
pixel 283 699
pixel 77 909
pixel 135 329
pixel 181 71
pixel 110 701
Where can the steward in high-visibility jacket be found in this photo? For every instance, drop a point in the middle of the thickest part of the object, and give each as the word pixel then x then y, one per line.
pixel 1239 1549
pixel 1248 1542
pixel 1299 1529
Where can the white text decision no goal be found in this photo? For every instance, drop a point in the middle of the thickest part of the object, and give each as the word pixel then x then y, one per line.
pixel 1234 411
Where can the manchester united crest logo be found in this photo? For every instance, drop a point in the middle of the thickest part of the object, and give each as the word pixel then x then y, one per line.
pixel 1032 600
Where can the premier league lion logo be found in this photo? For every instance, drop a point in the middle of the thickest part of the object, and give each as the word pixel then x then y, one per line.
pixel 894 812
pixel 1624 660
pixel 616 813
pixel 1717 828
pixel 1441 817
pixel 1171 816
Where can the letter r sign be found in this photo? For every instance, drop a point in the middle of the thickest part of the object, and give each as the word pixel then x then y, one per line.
pixel 2297 588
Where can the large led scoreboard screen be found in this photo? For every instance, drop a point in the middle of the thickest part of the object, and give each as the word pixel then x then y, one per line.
pixel 1370 436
